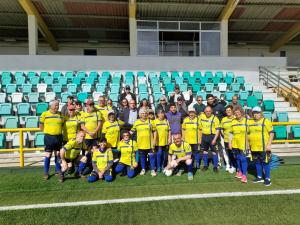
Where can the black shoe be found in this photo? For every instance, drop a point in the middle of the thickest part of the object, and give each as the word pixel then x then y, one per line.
pixel 61 178
pixel 216 170
pixel 46 176
pixel 204 168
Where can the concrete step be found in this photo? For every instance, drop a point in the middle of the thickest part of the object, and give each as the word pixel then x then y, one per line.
pixel 286 109
pixel 270 95
pixel 294 115
pixel 281 104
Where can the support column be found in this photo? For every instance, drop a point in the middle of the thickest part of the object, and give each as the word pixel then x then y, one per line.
pixel 32 35
pixel 132 28
pixel 224 38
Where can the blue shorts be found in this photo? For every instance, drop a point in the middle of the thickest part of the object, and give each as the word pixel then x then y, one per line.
pixel 53 142
pixel 206 143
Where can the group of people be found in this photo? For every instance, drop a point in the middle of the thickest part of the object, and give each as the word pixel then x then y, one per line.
pixel 101 140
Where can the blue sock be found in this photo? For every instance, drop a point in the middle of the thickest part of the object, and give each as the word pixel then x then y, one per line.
pixel 205 159
pixel 165 157
pixel 46 165
pixel 258 169
pixel 108 178
pixel 152 158
pixel 197 157
pixel 82 166
pixel 190 168
pixel 267 168
pixel 238 163
pixel 92 179
pixel 143 158
pixel 137 156
pixel 57 165
pixel 159 158
pixel 130 172
pixel 244 165
pixel 215 160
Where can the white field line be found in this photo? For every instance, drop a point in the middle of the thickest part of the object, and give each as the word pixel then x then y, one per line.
pixel 150 199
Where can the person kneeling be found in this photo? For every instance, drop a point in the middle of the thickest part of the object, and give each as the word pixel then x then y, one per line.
pixel 180 153
pixel 128 148
pixel 102 161
pixel 70 156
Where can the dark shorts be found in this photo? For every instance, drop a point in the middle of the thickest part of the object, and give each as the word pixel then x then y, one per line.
pixel 194 147
pixel 53 142
pixel 261 156
pixel 206 143
pixel 226 144
pixel 91 142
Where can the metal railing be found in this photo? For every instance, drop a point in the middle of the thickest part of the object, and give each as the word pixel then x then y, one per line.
pixel 283 87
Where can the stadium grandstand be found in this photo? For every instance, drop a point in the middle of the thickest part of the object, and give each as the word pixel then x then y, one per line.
pixel 73 60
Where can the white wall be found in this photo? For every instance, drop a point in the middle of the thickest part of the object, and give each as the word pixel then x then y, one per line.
pixel 292 52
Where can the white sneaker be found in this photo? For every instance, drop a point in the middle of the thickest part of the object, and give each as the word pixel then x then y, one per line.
pixel 153 173
pixel 232 170
pixel 227 169
pixel 143 172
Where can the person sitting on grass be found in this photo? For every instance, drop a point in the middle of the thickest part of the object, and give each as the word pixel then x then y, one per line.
pixel 102 162
pixel 127 148
pixel 70 156
pixel 180 154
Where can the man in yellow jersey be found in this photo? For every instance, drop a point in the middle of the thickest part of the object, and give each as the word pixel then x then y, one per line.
pixel 127 148
pixel 102 162
pixel 180 154
pixel 71 125
pixel 102 107
pixel 225 132
pixel 70 156
pixel 239 143
pixel 91 122
pixel 146 139
pixel 261 135
pixel 210 131
pixel 111 130
pixel 51 123
pixel 163 139
pixel 191 134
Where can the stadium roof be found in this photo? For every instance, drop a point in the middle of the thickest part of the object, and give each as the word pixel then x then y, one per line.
pixel 252 21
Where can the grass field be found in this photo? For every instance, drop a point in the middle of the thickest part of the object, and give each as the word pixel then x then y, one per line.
pixel 26 186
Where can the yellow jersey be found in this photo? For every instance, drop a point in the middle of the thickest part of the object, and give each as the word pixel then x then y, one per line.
pixel 162 129
pixel 91 121
pixel 239 133
pixel 191 130
pixel 104 112
pixel 144 130
pixel 102 159
pixel 128 150
pixel 112 130
pixel 259 133
pixel 73 149
pixel 71 127
pixel 181 151
pixel 209 125
pixel 53 122
pixel 226 127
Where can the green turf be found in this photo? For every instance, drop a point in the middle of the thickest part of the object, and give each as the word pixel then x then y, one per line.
pixel 26 186
pixel 256 210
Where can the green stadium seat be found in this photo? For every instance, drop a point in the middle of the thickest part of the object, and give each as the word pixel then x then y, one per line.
pixel 69 75
pixel 39 139
pixel 219 74
pixel 33 97
pixel 196 88
pixel 209 74
pixel 76 80
pixel 116 80
pixel 183 87
pixel 243 95
pixel 241 102
pixel 103 80
pixel 252 101
pixel 118 74
pixel 90 80
pixel 72 88
pixel 268 105
pixel 248 87
pixel 222 87
pixel 179 80
pixel 101 88
pixel 167 80
pixel 216 80
pixel 19 74
pixel 2 97
pixel 26 88
pixel 282 116
pixel 143 88
pixel 295 130
pixel 81 74
pixel 11 122
pixel 229 95
pixel 41 88
pixel 197 75
pixel 34 80
pixel 82 96
pixel 6 73
pixel 216 93
pixel 106 75
pixel 186 75
pixel 156 96
pixel 203 80
pixel 43 74
pixel 129 74
pixel 170 87
pixel 235 87
pixel 2 140
pixel 49 96
pixel 16 139
pixel 115 88
pixel 192 81
pixel 280 132
pixel 86 88
pixel 94 74
pixel 20 81
pixel 163 74
pixel 174 74
pixel 57 88
pixel 56 75
pixel 156 88
pixel 202 94
pixel 31 74
pixel 6 80
pixel 64 96
pixel 5 108
pixel 268 115
pixel 141 74
pixel 240 80
pixel 23 108
pixel 11 88
pixel 63 80
pixel 258 95
pixel 114 97
pixel 209 87
pixel 230 74
pixel 41 107
pixel 228 80
pixel 143 95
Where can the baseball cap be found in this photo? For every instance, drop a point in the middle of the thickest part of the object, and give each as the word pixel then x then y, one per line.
pixel 256 109
pixel 127 87
pixel 89 102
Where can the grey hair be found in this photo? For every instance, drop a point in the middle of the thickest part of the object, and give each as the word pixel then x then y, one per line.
pixel 142 111
pixel 53 101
